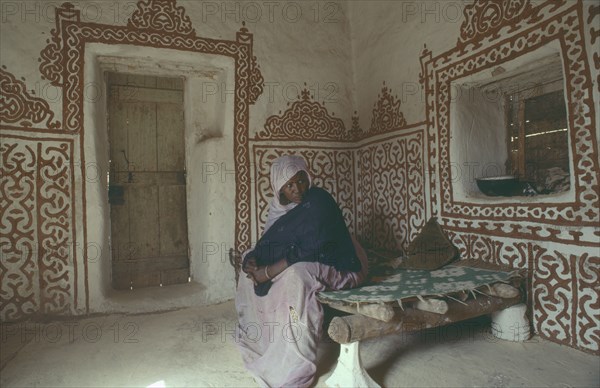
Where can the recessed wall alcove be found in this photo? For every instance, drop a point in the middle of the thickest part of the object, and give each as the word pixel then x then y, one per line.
pixel 574 209
pixel 208 137
pixel 481 144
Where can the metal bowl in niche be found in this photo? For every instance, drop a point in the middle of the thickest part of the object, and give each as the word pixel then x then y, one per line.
pixel 500 186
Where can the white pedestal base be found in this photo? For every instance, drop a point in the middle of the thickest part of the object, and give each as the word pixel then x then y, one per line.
pixel 511 324
pixel 349 371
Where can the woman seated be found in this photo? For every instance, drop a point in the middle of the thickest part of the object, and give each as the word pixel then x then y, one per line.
pixel 305 248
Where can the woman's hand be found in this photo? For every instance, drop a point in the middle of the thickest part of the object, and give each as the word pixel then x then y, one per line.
pixel 263 274
pixel 259 275
pixel 250 265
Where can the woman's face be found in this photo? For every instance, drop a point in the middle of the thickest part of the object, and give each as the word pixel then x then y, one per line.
pixel 294 189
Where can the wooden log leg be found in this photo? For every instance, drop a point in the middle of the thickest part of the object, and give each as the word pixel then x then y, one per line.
pixel 349 371
pixel 352 328
pixel 511 324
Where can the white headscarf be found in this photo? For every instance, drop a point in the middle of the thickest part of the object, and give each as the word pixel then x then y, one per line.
pixel 282 170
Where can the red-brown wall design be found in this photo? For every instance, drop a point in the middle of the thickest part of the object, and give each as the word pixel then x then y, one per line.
pixel 391 189
pixel 388 178
pixel 402 172
pixel 38 195
pixel 38 233
pixel 332 168
pixel 565 306
pixel 370 181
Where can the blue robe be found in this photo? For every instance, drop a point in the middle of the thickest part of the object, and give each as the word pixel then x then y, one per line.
pixel 313 231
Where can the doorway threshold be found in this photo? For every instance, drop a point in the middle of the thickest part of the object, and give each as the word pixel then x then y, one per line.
pixel 154 299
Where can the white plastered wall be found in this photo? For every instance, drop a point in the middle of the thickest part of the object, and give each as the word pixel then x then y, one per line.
pixel 477 127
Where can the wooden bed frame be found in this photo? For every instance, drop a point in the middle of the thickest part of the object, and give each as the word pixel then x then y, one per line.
pixel 504 302
pixel 508 322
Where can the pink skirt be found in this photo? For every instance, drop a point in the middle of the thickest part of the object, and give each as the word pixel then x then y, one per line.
pixel 278 334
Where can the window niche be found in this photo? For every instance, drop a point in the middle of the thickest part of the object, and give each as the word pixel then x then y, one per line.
pixel 511 119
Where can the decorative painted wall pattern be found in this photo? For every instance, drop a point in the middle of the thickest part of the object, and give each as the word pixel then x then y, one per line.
pixel 564 303
pixel 490 22
pixel 18 238
pixel 485 18
pixel 492 250
pixel 594 30
pixel 57 265
pixel 52 60
pixel 75 34
pixel 331 169
pixel 161 16
pixel 585 211
pixel 504 253
pixel 391 190
pixel 38 270
pixel 557 233
pixel 423 58
pixel 161 24
pixel 397 181
pixel 155 23
pixel 305 119
pixel 355 133
pixel 386 113
pixel 562 298
pixel 18 106
pixel 256 82
pixel 386 117
pixel 586 271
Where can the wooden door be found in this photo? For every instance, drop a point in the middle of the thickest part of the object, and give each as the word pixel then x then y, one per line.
pixel 147 191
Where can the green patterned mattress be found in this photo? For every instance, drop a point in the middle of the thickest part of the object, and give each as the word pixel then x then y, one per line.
pixel 391 285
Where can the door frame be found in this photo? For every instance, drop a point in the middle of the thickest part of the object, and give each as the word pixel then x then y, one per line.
pixel 196 69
